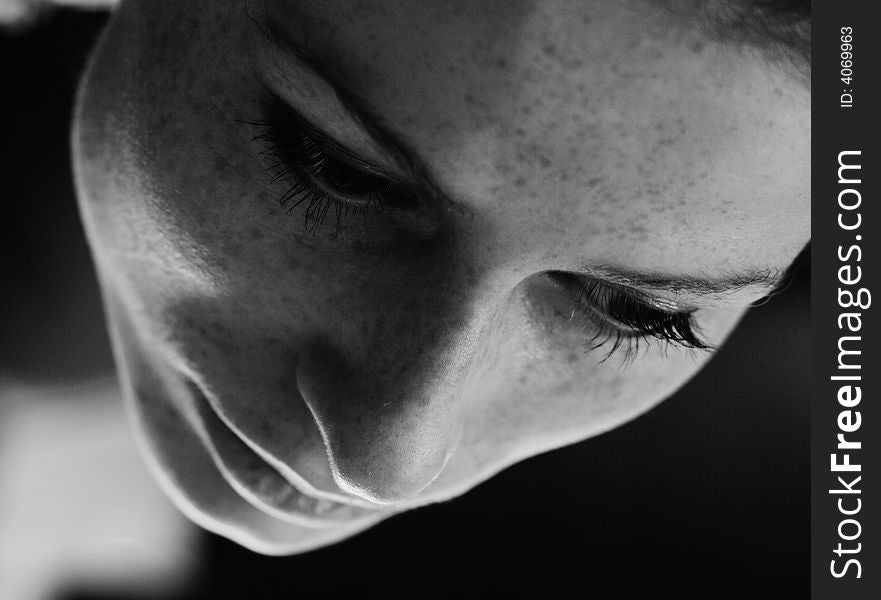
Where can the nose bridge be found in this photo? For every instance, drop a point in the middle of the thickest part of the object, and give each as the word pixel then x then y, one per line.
pixel 389 404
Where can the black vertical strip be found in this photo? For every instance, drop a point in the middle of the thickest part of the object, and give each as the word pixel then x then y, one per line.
pixel 846 222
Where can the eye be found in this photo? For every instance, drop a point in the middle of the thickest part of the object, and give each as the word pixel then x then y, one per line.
pixel 322 177
pixel 315 163
pixel 624 318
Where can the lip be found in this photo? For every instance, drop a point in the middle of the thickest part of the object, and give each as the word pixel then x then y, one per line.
pixel 261 485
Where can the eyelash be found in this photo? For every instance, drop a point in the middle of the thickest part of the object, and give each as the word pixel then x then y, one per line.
pixel 634 321
pixel 622 321
pixel 317 179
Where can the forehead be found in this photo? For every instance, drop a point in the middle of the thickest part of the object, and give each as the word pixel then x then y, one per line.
pixel 620 115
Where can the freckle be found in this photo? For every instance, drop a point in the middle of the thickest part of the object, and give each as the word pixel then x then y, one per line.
pixel 520 181
pixel 255 233
pixel 543 161
pixel 526 110
pixel 585 20
pixel 697 46
pixel 501 63
pixel 519 131
pixel 594 181
pixel 549 49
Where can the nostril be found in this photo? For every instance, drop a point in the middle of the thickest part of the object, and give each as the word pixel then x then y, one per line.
pixel 386 431
pixel 384 455
pixel 390 479
pixel 387 479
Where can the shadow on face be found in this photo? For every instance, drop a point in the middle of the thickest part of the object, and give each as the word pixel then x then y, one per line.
pixel 360 258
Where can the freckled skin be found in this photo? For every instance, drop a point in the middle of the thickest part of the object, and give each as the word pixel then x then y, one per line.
pixel 408 358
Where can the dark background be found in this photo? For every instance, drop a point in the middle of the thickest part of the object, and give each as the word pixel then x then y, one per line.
pixel 834 130
pixel 706 494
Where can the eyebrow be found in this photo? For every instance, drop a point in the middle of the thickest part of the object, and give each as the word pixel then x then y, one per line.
pixel 361 110
pixel 780 29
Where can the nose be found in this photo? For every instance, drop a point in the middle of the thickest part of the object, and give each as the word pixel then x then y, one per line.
pixel 388 429
pixel 390 384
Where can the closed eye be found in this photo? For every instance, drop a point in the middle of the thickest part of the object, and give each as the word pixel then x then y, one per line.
pixel 321 176
pixel 624 317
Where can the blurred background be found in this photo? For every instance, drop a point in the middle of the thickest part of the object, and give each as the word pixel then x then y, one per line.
pixel 707 493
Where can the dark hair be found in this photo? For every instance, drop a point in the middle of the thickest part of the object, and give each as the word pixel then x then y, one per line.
pixel 779 28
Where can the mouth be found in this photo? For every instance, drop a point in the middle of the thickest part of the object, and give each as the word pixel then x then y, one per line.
pixel 260 484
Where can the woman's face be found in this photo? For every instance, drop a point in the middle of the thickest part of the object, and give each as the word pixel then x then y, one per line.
pixel 359 257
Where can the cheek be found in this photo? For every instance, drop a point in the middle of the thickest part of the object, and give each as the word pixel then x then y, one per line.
pixel 533 407
pixel 538 385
